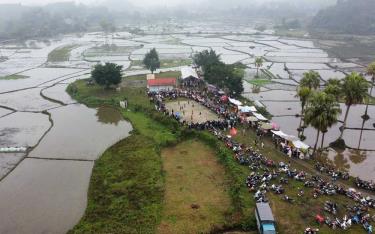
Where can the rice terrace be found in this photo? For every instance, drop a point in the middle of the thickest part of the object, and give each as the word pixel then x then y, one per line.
pixel 173 116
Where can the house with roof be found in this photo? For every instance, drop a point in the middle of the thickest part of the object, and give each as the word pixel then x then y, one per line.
pixel 161 84
pixel 190 77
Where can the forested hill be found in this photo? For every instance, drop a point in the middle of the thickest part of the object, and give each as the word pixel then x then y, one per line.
pixel 347 16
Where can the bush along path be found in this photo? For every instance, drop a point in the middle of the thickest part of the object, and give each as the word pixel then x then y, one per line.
pixel 126 191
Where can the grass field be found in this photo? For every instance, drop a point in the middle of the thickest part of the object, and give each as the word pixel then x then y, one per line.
pixel 13 77
pixel 193 177
pixel 128 188
pixel 164 63
pixel 259 82
pixel 60 54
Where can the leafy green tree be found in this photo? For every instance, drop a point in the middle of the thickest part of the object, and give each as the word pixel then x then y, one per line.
pixel 107 75
pixel 354 90
pixel 304 94
pixel 311 80
pixel 206 58
pixel 151 60
pixel 258 64
pixel 323 112
pixel 371 72
pixel 333 87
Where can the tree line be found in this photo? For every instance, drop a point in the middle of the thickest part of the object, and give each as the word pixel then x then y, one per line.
pixel 320 107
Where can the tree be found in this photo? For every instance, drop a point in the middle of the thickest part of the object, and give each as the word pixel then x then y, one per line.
pixel 227 77
pixel 333 87
pixel 107 75
pixel 323 112
pixel 311 80
pixel 304 94
pixel 206 58
pixel 371 72
pixel 354 90
pixel 151 60
pixel 258 64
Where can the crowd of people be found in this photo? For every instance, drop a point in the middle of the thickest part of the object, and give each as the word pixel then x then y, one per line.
pixel 267 176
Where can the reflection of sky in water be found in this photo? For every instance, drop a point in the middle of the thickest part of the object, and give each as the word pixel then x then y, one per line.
pixel 359 163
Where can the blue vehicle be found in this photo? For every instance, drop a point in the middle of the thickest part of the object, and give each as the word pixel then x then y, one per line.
pixel 265 220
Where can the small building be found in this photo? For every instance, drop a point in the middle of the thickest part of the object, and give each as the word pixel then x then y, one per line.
pixel 190 77
pixel 161 84
pixel 150 76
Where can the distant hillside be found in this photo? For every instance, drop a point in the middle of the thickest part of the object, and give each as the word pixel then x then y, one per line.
pixel 347 16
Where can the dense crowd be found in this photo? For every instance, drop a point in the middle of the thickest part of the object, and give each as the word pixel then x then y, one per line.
pixel 266 176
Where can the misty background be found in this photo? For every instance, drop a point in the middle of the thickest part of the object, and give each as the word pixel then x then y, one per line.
pixel 45 18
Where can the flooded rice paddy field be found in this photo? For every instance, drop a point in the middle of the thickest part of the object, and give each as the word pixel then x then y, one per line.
pixel 45 191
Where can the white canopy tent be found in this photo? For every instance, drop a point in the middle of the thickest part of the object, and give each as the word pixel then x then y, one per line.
pixel 285 136
pixel 247 109
pixel 260 117
pixel 188 73
pixel 235 102
pixel 300 145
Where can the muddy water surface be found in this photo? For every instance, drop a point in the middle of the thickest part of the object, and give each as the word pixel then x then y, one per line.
pixel 78 133
pixel 44 196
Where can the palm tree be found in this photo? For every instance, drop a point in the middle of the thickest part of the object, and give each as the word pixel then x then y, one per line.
pixel 333 87
pixel 258 64
pixel 371 72
pixel 304 94
pixel 323 112
pixel 311 80
pixel 354 90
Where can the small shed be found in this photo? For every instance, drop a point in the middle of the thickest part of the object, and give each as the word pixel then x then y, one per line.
pixel 161 84
pixel 150 76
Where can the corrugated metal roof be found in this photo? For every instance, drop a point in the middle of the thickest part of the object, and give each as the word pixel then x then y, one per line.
pixel 162 82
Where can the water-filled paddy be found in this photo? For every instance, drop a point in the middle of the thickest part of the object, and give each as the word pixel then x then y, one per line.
pixel 44 196
pixel 22 129
pixel 78 133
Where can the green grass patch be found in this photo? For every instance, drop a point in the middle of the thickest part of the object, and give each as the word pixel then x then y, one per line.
pixel 126 189
pixel 60 54
pixel 110 50
pixel 165 63
pixel 175 74
pixel 13 77
pixel 190 176
pixel 168 63
pixel 259 82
